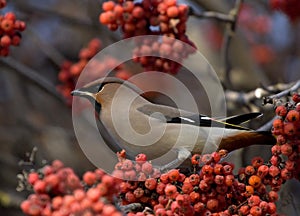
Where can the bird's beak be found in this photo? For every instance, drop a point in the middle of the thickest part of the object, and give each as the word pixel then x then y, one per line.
pixel 82 93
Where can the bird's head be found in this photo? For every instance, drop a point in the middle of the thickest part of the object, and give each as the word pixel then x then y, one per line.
pixel 102 90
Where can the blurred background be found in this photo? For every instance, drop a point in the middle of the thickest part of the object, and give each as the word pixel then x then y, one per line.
pixel 264 51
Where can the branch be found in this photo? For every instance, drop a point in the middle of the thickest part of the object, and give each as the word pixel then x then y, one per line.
pixel 212 15
pixel 243 98
pixel 33 76
pixel 273 98
pixel 230 31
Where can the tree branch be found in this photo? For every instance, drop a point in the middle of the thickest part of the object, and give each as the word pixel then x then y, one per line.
pixel 243 98
pixel 273 98
pixel 212 15
pixel 33 76
pixel 230 31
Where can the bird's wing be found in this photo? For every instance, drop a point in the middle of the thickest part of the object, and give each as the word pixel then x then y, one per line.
pixel 173 115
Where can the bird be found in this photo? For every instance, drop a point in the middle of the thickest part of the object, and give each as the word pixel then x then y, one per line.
pixel 127 120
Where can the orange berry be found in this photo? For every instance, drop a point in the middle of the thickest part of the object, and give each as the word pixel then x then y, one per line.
pixel 170 2
pixel 89 178
pixel 172 12
pixel 103 18
pixel 118 10
pixel 108 6
pixel 249 190
pixel 255 181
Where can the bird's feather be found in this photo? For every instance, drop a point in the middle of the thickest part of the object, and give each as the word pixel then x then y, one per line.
pixel 173 115
pixel 242 118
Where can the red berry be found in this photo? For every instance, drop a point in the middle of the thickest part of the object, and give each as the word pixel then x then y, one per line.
pixel 150 183
pixel 293 116
pixel 273 196
pixel 212 204
pixel 147 168
pixel 39 186
pixel 141 158
pixel 10 16
pixel 296 97
pixel 32 178
pixel 7 25
pixel 278 124
pixel 274 171
pixel 138 12
pixel 173 175
pixel 254 200
pixel 255 211
pixel 128 6
pixel 89 178
pixel 170 190
pixel 5 41
pixel 281 111
pixel 187 188
pixel 289 129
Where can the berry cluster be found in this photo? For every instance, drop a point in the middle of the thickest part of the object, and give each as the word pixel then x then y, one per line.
pixel 10 29
pixel 211 189
pixel 58 192
pixel 290 7
pixel 70 72
pixel 138 170
pixel 286 128
pixel 147 17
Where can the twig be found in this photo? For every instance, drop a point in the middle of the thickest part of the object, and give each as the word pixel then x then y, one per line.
pixel 33 76
pixel 273 98
pixel 243 98
pixel 230 31
pixel 212 15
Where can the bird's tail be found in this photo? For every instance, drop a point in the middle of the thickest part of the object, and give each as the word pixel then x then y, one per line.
pixel 247 138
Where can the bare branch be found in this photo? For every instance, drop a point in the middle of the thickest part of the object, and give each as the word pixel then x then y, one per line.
pixel 243 98
pixel 33 76
pixel 273 98
pixel 212 15
pixel 230 31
